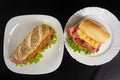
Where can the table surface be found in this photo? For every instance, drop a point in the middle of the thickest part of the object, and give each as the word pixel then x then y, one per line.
pixel 62 10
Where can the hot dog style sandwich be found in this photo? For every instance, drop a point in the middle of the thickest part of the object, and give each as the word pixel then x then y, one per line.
pixel 88 35
pixel 40 37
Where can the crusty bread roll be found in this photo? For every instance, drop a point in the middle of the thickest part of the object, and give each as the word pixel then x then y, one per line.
pixel 94 30
pixel 30 44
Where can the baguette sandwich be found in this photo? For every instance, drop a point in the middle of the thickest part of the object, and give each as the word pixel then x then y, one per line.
pixel 89 34
pixel 33 43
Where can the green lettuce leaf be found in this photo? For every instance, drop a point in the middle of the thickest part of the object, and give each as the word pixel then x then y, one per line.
pixel 77 48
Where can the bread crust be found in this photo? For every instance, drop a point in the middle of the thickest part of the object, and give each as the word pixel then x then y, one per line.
pixel 94 30
pixel 31 43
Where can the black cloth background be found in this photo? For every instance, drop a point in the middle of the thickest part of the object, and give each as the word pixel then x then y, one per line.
pixel 62 10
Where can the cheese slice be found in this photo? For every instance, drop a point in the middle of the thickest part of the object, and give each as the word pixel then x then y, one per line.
pixel 83 36
pixel 40 47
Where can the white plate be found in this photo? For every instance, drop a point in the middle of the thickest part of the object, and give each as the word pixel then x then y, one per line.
pixel 16 30
pixel 108 50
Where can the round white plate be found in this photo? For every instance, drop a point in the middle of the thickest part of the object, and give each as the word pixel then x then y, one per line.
pixel 15 32
pixel 108 50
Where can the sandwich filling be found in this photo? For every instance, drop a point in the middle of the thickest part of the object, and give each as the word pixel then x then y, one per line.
pixel 89 35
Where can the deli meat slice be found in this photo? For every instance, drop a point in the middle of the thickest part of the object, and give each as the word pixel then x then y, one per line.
pixel 73 33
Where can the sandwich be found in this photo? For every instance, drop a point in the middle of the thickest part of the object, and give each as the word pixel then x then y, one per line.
pixel 35 41
pixel 89 35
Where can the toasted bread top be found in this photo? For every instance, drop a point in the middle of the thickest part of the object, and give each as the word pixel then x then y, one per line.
pixel 31 42
pixel 94 31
